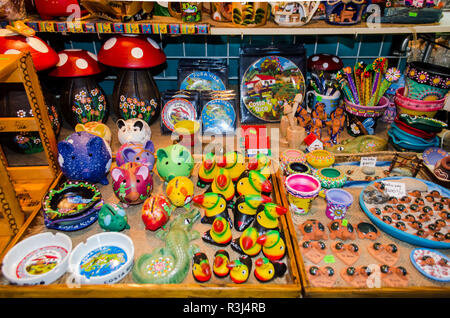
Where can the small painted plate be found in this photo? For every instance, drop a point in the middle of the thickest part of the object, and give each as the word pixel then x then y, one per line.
pixel 218 116
pixel 432 155
pixel 176 110
pixel 105 258
pixel 439 269
pixel 39 259
pixel 203 80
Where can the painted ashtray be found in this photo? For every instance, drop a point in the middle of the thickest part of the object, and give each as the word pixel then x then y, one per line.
pixel 176 110
pixel 431 264
pixel 37 260
pixel 104 258
pixel 330 178
pixel 72 207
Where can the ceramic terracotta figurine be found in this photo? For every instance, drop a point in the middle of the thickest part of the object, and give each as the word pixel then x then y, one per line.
pixel 133 130
pixel 223 185
pixel 267 217
pixel 112 217
pixel 234 163
pixel 319 112
pixel 247 243
pixel 304 119
pixel 316 127
pixel 156 211
pixel 273 245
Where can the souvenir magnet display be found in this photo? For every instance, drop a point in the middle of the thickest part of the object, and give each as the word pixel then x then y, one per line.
pixel 313 250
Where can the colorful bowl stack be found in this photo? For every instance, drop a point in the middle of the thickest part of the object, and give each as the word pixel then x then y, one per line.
pixel 425 91
pixel 415 133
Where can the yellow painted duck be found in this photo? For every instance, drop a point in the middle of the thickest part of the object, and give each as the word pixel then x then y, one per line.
pixel 219 234
pixel 261 163
pixel 248 243
pixel 240 269
pixel 221 260
pixel 253 182
pixel 207 170
pixel 273 245
pixel 266 270
pixel 244 209
pixel 222 184
pixel 267 217
pixel 200 267
pixel 214 205
pixel 234 162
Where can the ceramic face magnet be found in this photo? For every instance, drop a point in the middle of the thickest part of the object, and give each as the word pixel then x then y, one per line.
pixel 173 161
pixel 85 157
pixel 133 130
pixel 132 182
pixel 135 152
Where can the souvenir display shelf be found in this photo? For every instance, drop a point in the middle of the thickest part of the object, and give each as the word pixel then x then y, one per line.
pixel 145 241
pixel 172 26
pixel 418 286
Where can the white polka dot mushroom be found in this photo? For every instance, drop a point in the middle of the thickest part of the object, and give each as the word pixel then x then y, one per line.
pixel 82 98
pixel 134 56
pixel 42 54
pixel 327 63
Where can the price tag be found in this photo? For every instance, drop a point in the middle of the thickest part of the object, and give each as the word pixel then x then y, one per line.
pixel 368 162
pixel 329 259
pixel 413 14
pixel 344 222
pixel 394 189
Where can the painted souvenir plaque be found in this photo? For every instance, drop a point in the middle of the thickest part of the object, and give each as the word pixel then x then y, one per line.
pixel 268 84
pixel 203 81
pixel 102 261
pixel 177 109
pixel 218 114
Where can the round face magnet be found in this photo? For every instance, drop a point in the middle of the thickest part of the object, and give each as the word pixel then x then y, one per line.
pixel 176 110
pixel 268 84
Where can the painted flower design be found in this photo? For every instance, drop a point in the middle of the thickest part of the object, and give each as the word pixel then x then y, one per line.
pixel 355 129
pixel 337 211
pixel 132 107
pixel 89 106
pixel 422 77
pixel 21 113
pixel 412 73
pixel 436 80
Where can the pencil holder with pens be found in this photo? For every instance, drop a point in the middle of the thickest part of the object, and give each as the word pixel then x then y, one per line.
pixel 330 102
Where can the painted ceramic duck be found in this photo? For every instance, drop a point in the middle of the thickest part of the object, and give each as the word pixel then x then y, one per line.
pixel 248 243
pixel 234 162
pixel 267 270
pixel 222 184
pixel 214 205
pixel 267 217
pixel 200 267
pixel 207 171
pixel 221 260
pixel 253 182
pixel 273 245
pixel 219 234
pixel 244 209
pixel 261 163
pixel 240 269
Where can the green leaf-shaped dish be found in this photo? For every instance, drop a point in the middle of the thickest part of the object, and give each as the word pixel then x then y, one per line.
pixel 423 123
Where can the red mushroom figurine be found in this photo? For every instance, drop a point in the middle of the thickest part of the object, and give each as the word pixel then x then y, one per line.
pixel 326 63
pixel 14 101
pixel 82 98
pixel 49 9
pixel 135 91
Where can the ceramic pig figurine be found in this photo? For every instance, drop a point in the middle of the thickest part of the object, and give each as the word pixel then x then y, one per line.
pixel 174 161
pixel 112 217
pixel 132 183
pixel 95 128
pixel 133 130
pixel 135 152
pixel 85 157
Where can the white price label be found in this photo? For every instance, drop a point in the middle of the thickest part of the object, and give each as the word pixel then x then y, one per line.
pixel 394 189
pixel 368 161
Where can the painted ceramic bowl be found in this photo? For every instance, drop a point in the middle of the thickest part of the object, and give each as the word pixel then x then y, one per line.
pixel 72 207
pixel 423 123
pixel 442 169
pixel 301 189
pixel 431 263
pixel 297 167
pixel 425 81
pixel 413 131
pixel 432 155
pixel 367 111
pixel 417 107
pixel 104 258
pixel 37 260
pixel 291 155
pixel 401 134
pixel 402 144
pixel 330 178
pixel 320 158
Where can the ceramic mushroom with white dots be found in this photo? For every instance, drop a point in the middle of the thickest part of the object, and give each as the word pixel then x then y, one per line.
pixel 135 92
pixel 82 98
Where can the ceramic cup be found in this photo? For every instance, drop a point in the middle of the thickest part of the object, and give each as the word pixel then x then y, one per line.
pixel 338 202
pixel 330 102
pixel 301 189
pixel 187 132
pixel 425 81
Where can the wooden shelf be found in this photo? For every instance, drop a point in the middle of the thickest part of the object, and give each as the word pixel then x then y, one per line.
pixel 173 26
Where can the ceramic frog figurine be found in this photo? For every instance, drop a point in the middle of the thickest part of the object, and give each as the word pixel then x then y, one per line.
pixel 174 161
